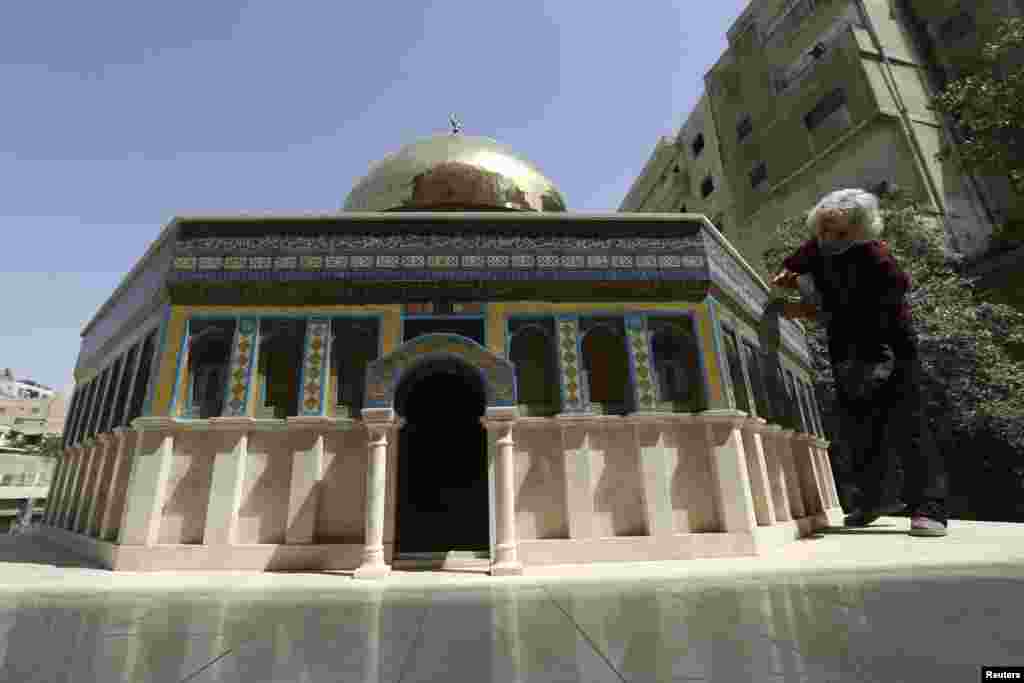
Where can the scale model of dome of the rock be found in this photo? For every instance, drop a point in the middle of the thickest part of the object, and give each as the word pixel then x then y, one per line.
pixel 454 172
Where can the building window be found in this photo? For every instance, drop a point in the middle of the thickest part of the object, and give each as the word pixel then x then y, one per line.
pixel 676 356
pixel 788 23
pixel 697 145
pixel 827 106
pixel 142 377
pixel 108 403
pixel 355 344
pixel 759 174
pixel 757 383
pixel 736 375
pixel 532 351
pixel 280 363
pixel 209 354
pixel 956 28
pixel 707 187
pixel 122 393
pixel 744 128
pixel 606 368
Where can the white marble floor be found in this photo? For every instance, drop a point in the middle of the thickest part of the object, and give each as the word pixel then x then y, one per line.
pixel 890 625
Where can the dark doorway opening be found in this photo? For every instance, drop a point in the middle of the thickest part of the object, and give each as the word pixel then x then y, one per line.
pixel 442 461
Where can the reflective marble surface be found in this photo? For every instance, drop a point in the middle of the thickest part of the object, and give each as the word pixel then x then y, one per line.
pixel 888 626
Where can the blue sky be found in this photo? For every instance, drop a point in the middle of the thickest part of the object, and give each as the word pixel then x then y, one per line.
pixel 117 115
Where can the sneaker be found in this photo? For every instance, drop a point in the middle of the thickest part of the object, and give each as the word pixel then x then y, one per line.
pixel 928 519
pixel 859 518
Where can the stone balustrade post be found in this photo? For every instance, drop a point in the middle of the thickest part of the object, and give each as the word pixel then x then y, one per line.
pixel 227 479
pixel 105 441
pixel 579 486
pixel 499 423
pixel 830 479
pixel 649 434
pixel 147 486
pixel 811 476
pixel 795 489
pixel 722 429
pixel 119 455
pixel 74 464
pixel 757 467
pixel 82 500
pixel 379 423
pixel 773 448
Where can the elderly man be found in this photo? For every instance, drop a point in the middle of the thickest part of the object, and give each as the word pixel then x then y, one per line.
pixel 850 279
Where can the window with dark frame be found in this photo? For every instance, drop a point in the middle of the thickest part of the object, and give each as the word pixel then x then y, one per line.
pixel 758 175
pixel 744 128
pixel 957 27
pixel 707 187
pixel 697 146
pixel 825 107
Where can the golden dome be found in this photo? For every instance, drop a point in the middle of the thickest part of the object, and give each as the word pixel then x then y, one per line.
pixel 454 172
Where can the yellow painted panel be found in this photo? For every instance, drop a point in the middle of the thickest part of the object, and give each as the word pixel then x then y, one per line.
pixel 169 360
pixel 717 398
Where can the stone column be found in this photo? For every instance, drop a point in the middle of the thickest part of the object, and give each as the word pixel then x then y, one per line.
pixel 649 433
pixel 379 422
pixel 786 452
pixel 105 441
pixel 579 494
pixel 773 447
pixel 757 468
pixel 106 515
pixel 83 485
pixel 227 479
pixel 147 488
pixel 730 467
pixel 499 422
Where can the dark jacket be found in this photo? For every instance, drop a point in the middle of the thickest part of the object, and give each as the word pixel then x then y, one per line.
pixel 865 291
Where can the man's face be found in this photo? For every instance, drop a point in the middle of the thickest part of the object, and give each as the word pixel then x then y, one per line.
pixel 834 224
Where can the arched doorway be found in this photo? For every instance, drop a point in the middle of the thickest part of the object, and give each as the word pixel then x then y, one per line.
pixel 442 501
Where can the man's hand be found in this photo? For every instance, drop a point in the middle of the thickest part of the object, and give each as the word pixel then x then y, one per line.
pixel 794 310
pixel 786 279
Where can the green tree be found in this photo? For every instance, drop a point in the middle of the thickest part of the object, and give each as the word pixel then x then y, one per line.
pixel 973 386
pixel 987 106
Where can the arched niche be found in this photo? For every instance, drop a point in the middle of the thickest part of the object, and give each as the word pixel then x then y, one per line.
pixel 385 375
pixel 532 350
pixel 606 365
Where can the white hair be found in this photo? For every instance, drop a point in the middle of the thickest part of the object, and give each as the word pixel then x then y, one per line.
pixel 860 207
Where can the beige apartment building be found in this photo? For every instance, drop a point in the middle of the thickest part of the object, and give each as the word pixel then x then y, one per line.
pixel 817 95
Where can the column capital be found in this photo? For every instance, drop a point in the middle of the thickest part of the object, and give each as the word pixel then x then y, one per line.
pixel 104 438
pixel 821 443
pixel 119 432
pixel 804 436
pixel 788 433
pixel 772 428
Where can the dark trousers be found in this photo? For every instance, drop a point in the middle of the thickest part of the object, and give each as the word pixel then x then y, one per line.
pixel 882 419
